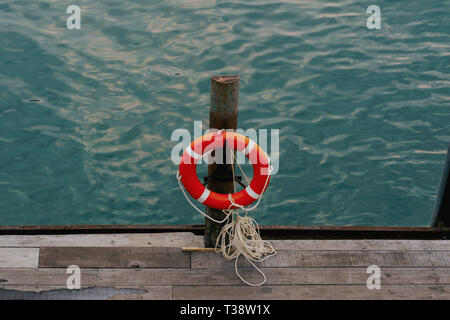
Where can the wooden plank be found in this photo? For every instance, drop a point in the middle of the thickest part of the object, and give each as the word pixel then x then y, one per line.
pixel 57 292
pixel 42 276
pixel 309 292
pixel 327 258
pixel 114 257
pixel 19 257
pixel 197 249
pixel 31 288
pixel 151 293
pixel 361 244
pixel 275 276
pixel 173 239
pixel 185 239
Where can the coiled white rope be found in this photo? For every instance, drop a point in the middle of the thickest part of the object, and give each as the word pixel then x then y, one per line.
pixel 244 239
pixel 242 232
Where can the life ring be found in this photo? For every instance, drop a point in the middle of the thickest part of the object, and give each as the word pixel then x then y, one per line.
pixel 195 151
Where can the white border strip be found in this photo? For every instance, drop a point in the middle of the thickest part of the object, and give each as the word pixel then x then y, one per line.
pixel 192 153
pixel 249 147
pixel 252 193
pixel 204 196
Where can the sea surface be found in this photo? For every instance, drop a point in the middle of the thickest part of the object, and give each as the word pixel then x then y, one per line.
pixel 86 116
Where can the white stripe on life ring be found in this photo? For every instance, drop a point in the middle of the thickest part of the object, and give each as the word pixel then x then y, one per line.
pixel 204 196
pixel 249 147
pixel 192 153
pixel 252 193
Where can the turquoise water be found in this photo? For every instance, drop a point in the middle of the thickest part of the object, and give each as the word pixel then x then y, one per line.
pixel 86 115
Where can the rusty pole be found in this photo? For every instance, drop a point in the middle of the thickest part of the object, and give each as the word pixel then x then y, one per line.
pixel 223 115
pixel 441 214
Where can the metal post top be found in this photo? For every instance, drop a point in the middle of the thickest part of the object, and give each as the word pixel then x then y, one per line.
pixel 224 101
pixel 225 79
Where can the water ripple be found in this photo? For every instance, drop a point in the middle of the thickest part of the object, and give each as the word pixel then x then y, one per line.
pixel 86 116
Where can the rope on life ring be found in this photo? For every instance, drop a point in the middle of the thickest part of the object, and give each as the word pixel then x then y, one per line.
pixel 242 231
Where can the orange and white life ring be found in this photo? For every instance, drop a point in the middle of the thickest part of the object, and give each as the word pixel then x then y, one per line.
pixel 200 146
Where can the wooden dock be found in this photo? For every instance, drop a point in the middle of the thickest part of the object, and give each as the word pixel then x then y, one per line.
pixel 154 266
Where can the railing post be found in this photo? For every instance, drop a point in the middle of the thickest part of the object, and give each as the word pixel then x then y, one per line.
pixel 223 115
pixel 441 212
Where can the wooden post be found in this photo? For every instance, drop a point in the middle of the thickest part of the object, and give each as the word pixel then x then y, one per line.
pixel 223 115
pixel 441 214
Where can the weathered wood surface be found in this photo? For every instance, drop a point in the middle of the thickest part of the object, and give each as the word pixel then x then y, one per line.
pixel 42 292
pixel 115 257
pixel 275 276
pixel 150 293
pixel 154 266
pixel 19 257
pixel 186 276
pixel 361 244
pixel 186 239
pixel 43 276
pixel 327 258
pixel 172 239
pixel 308 292
pixel 223 114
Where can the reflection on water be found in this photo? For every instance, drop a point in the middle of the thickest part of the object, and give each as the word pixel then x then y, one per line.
pixel 86 115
